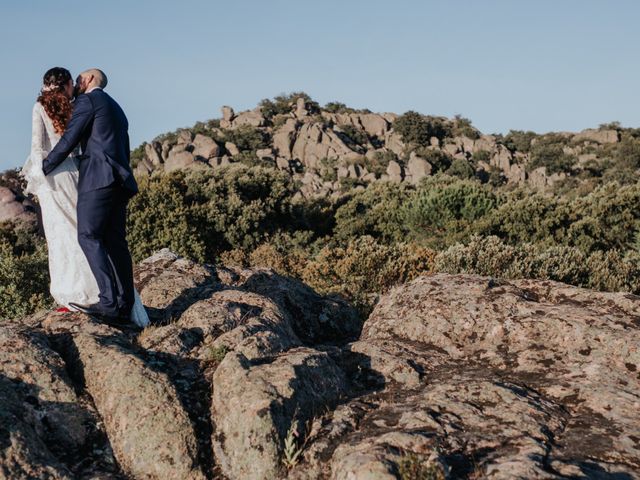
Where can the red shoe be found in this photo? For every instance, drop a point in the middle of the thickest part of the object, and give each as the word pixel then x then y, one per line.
pixel 63 310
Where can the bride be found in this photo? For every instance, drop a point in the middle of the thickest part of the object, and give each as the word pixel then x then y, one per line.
pixel 71 279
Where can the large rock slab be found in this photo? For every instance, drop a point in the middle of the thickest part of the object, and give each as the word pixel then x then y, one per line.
pixel 576 348
pixel 23 453
pixel 255 403
pixel 169 284
pixel 27 359
pixel 229 319
pixel 254 311
pixel 151 434
pixel 40 417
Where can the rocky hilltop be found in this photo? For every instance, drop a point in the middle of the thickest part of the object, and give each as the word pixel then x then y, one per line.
pixel 250 375
pixel 328 149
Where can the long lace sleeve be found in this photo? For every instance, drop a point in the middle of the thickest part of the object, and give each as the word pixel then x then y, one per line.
pixel 40 145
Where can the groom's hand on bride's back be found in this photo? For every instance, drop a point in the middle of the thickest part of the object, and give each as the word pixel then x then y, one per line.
pixel 80 119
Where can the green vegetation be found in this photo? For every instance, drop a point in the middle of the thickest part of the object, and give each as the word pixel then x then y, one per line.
pixel 137 155
pixel 418 129
pixel 462 127
pixel 549 152
pixel 246 138
pixel 366 241
pixel 285 103
pixel 354 135
pixel 439 160
pixel 24 273
pixel 418 467
pixel 519 141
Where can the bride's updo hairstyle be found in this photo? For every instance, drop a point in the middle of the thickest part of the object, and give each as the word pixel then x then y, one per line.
pixel 54 100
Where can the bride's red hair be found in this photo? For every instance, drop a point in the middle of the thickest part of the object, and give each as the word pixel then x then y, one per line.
pixel 53 99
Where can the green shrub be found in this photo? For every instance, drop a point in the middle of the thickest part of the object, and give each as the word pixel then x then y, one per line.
pixel 375 212
pixel 482 156
pixel 463 127
pixel 337 107
pixel 524 216
pixel 518 140
pixel 609 271
pixel 24 281
pixel 285 103
pixel 442 207
pixel 13 180
pixel 418 129
pixel 548 152
pixel 164 215
pixel 607 218
pixel 198 215
pixel 364 267
pixel 461 168
pixel 246 137
pixel 628 153
pixel 354 135
pixel 137 155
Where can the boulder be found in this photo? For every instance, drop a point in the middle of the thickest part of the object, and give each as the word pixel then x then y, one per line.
pixel 252 118
pixel 314 142
pixel 169 284
pixel 232 149
pixel 12 208
pixel 393 141
pixel 599 136
pixel 205 147
pixel 284 137
pixel 178 158
pixel 265 153
pixel 23 454
pixel 185 136
pixel 152 152
pixel 418 168
pixel 256 403
pixel 301 108
pixel 374 124
pixel 452 376
pixel 544 334
pixel 227 117
pixel 394 170
pixel 151 434
pixel 29 360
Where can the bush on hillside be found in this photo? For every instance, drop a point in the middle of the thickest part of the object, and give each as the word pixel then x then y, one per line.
pixel 375 212
pixel 607 218
pixel 24 281
pixel 415 128
pixel 548 151
pixel 518 140
pixel 609 271
pixel 461 168
pixel 246 137
pixel 441 207
pixel 285 103
pixel 354 135
pixel 203 213
pixel 463 127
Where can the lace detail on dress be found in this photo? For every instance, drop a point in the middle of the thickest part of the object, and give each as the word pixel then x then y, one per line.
pixel 71 277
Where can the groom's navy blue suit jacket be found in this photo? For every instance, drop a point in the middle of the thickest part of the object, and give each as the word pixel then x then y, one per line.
pixel 100 127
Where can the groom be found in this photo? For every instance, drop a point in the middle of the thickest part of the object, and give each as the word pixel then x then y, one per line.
pixel 105 185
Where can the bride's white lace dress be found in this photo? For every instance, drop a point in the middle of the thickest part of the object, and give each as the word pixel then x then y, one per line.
pixel 71 277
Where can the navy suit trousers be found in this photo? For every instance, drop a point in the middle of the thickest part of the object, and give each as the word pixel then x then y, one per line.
pixel 102 216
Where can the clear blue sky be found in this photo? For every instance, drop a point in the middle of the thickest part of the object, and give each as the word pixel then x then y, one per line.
pixel 506 64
